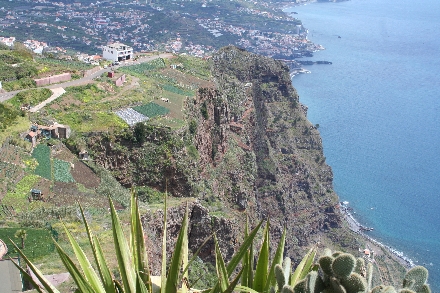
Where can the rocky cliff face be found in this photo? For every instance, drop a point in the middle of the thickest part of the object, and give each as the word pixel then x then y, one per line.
pixel 256 153
pixel 257 150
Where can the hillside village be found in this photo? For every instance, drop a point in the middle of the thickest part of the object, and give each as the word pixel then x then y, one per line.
pixel 197 28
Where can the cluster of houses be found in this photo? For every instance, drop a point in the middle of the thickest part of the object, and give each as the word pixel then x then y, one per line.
pixel 56 130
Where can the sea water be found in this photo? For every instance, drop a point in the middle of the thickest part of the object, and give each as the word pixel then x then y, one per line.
pixel 378 107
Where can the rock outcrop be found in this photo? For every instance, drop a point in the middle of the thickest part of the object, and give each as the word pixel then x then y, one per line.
pixel 253 152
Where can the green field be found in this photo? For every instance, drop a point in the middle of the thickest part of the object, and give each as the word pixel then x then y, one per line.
pixel 151 110
pixel 42 154
pixel 61 171
pixel 38 242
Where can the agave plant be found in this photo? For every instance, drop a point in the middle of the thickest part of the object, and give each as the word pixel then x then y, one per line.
pixel 132 261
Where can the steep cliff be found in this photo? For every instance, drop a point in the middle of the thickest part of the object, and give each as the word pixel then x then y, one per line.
pixel 247 148
pixel 257 150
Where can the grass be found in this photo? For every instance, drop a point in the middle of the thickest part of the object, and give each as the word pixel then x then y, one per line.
pixel 37 244
pixel 18 198
pixel 32 97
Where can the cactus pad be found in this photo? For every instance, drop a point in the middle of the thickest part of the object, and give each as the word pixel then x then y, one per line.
pixel 343 265
pixel 355 283
pixel 383 289
pixel 325 263
pixel 415 278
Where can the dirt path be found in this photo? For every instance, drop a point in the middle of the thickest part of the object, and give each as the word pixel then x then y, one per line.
pixel 56 93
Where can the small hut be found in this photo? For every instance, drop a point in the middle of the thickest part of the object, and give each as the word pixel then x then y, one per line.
pixel 83 155
pixel 36 194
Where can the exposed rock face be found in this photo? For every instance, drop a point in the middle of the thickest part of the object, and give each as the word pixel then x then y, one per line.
pixel 256 153
pixel 201 226
pixel 259 152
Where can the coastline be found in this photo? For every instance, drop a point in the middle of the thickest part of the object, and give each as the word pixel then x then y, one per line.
pixel 358 228
pixel 353 224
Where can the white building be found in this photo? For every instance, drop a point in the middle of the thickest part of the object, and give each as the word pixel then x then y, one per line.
pixel 117 52
pixel 8 41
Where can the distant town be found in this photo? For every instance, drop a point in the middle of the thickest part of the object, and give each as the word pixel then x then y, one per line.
pixel 197 28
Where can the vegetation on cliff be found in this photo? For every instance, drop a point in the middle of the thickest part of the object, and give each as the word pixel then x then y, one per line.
pixel 234 139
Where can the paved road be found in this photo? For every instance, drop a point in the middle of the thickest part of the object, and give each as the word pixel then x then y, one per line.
pixel 88 79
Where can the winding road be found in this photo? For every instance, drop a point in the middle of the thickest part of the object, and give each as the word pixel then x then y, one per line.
pixel 87 79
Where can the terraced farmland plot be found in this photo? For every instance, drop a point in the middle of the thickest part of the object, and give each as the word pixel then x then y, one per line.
pixel 151 110
pixel 42 154
pixel 141 69
pixel 12 154
pixel 11 172
pixel 61 171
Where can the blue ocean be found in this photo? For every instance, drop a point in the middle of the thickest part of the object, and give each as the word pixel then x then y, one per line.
pixel 378 107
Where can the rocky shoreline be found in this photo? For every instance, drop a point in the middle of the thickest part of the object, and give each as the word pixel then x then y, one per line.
pixel 359 229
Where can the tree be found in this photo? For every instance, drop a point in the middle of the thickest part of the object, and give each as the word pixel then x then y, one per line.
pixel 22 234
pixel 140 131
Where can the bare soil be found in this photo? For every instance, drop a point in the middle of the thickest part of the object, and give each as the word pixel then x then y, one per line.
pixel 84 175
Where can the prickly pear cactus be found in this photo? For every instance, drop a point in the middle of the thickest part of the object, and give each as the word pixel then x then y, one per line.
pixel 343 273
pixel 415 280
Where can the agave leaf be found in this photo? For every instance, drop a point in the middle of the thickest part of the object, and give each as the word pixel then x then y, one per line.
pixel 261 273
pixel 80 280
pixel 163 279
pixel 278 259
pixel 176 260
pixel 84 263
pixel 46 284
pixel 238 256
pixel 185 258
pixel 118 287
pixel 303 268
pixel 197 253
pixel 247 262
pixel 125 263
pixel 139 251
pixel 309 262
pixel 287 263
pixel 222 274
pixel 234 283
pixel 140 286
pixel 29 278
pixel 245 289
pixel 104 272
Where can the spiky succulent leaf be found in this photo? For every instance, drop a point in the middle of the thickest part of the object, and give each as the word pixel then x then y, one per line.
pixel 84 263
pixel 46 284
pixel 80 280
pixel 277 260
pixel 122 250
pixel 303 268
pixel 103 270
pixel 261 272
pixel 178 255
